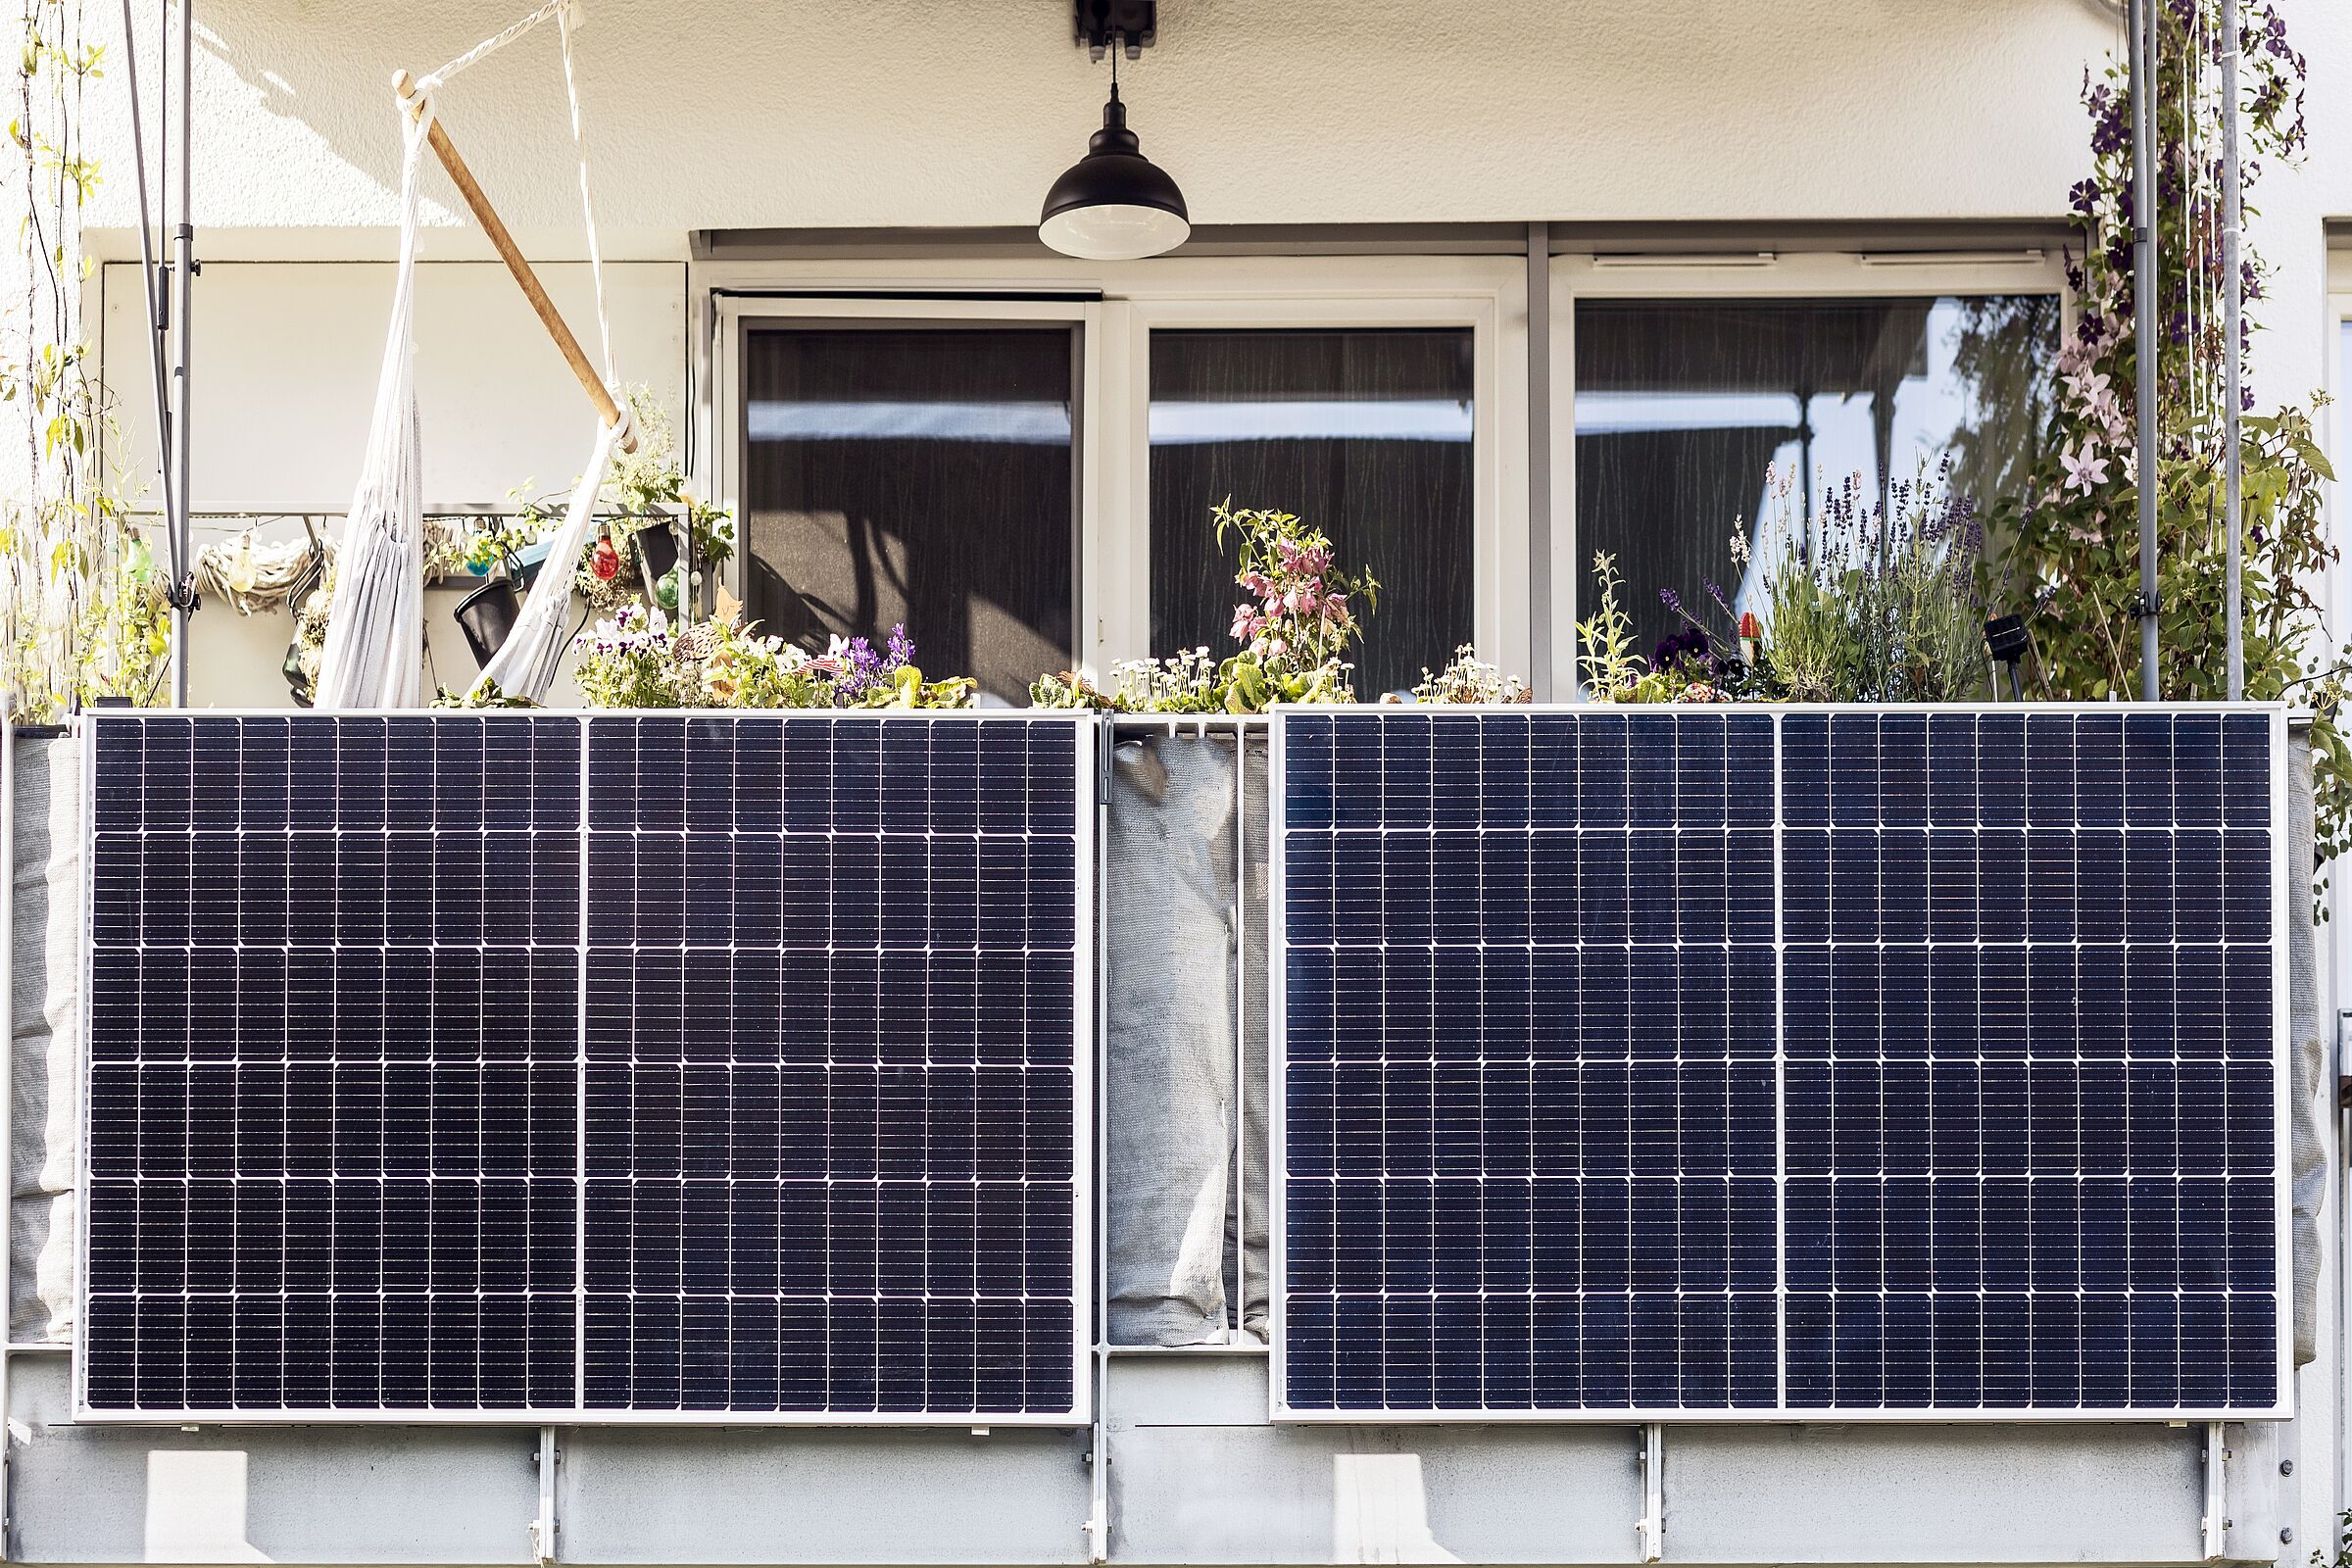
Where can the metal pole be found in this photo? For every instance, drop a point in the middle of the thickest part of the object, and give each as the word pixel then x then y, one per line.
pixel 2142 21
pixel 1538 461
pixel 151 286
pixel 8 1067
pixel 182 278
pixel 2233 218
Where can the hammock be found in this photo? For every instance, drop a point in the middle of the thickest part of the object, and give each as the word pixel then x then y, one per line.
pixel 374 653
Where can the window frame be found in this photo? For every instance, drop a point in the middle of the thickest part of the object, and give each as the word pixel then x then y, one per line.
pixel 727 456
pixel 1115 307
pixel 1730 277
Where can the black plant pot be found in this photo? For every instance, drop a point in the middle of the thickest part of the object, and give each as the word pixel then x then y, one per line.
pixel 656 553
pixel 487 616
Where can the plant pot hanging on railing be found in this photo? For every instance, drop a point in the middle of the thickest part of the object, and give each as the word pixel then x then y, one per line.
pixel 486 617
pixel 658 564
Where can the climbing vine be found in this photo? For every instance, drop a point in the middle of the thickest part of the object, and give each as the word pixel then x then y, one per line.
pixel 83 611
pixel 2065 546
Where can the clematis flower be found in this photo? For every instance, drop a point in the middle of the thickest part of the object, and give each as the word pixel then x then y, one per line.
pixel 2085 468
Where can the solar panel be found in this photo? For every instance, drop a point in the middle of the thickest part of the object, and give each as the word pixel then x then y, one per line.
pixel 742 1084
pixel 833 1066
pixel 1780 1061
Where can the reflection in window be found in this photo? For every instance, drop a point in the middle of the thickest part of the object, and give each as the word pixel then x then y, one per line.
pixel 1684 410
pixel 922 475
pixel 1366 434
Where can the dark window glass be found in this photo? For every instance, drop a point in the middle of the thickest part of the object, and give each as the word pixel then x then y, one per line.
pixel 1685 407
pixel 915 475
pixel 1366 434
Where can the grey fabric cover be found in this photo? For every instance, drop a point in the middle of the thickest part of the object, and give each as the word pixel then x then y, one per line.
pixel 47 943
pixel 2311 1099
pixel 1169 887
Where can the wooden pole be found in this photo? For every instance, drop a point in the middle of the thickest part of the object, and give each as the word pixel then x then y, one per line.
pixel 511 254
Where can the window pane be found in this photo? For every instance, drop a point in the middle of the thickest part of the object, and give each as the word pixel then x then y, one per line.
pixel 1683 410
pixel 915 475
pixel 1366 434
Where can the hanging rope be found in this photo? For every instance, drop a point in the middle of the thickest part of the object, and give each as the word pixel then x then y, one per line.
pixel 497 42
pixel 579 143
pixel 525 664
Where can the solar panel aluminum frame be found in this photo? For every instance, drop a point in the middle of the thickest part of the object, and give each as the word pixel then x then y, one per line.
pixel 2282 1406
pixel 1086 786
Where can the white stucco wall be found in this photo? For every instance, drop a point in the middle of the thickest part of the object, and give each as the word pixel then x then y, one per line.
pixel 723 113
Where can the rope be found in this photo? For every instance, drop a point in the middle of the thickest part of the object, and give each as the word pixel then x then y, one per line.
pixel 497 42
pixel 579 142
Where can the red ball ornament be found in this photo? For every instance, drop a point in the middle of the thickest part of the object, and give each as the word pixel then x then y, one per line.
pixel 604 561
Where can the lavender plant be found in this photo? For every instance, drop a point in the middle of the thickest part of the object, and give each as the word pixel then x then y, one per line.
pixel 1877 600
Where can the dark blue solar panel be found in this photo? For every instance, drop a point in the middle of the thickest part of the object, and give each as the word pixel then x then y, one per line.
pixel 332 1117
pixel 1529 1037
pixel 832 1062
pixel 815 1115
pixel 1801 1060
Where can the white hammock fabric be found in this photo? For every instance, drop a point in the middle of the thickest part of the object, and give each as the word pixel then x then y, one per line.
pixel 375 655
pixel 525 663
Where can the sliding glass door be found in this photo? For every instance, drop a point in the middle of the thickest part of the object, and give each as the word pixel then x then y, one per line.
pixel 921 474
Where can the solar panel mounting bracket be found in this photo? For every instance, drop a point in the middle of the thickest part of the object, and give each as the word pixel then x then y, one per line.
pixel 2214 1524
pixel 1650 1529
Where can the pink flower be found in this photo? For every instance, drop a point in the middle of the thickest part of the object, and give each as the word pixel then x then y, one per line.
pixel 2085 468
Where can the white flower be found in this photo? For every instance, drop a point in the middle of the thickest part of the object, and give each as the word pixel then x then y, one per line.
pixel 2085 467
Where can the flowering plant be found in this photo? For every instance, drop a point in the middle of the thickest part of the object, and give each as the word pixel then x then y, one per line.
pixel 1882 604
pixel 636 658
pixel 2066 548
pixel 1613 672
pixel 1467 681
pixel 1875 599
pixel 1294 630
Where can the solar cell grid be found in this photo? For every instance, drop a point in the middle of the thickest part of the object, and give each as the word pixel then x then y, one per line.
pixel 1836 1061
pixel 743 1084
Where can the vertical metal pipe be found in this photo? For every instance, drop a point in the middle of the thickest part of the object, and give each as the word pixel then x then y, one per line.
pixel 1538 462
pixel 184 276
pixel 1240 1305
pixel 2234 485
pixel 2143 28
pixel 1098 1510
pixel 8 1079
pixel 150 287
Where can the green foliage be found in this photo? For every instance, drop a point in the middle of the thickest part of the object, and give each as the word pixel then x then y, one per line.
pixel 1604 642
pixel 82 613
pixel 1878 603
pixel 1874 601
pixel 2065 547
pixel 638 659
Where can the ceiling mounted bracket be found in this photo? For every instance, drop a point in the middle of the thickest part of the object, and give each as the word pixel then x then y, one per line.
pixel 1134 23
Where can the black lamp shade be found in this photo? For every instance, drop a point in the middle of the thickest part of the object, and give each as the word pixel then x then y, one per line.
pixel 486 617
pixel 1114 204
